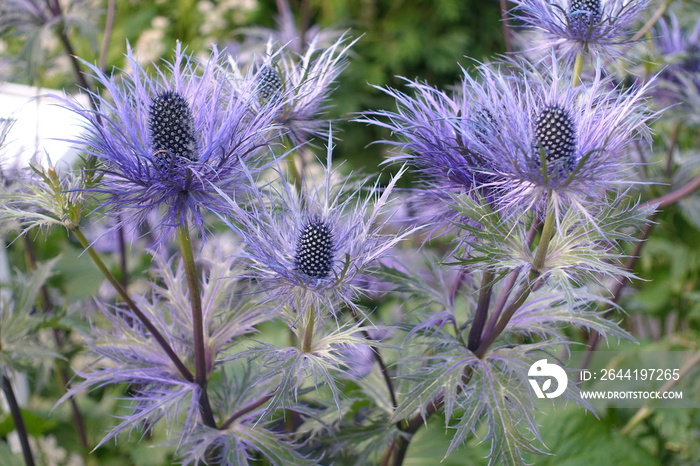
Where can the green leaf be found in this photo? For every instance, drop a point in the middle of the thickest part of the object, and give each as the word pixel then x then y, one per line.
pixel 269 444
pixel 576 438
pixel 80 276
pixel 9 458
pixel 35 424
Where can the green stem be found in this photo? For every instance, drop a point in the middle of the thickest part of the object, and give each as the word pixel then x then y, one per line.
pixel 500 326
pixel 546 236
pixel 527 287
pixel 578 69
pixel 650 24
pixel 186 374
pixel 414 424
pixel 308 331
pixel 200 362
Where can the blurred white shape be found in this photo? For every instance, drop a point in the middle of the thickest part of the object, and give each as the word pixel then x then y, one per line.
pixel 39 124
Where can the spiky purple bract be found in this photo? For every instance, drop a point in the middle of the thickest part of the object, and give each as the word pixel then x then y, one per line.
pixel 166 141
pixel 127 353
pixel 572 27
pixel 677 50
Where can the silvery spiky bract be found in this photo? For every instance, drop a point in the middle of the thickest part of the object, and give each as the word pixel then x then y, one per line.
pixel 679 46
pixel 677 50
pixel 428 129
pixel 126 352
pixel 571 27
pixel 166 141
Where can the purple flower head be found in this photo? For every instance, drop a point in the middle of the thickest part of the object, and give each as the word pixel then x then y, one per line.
pixel 572 27
pixel 309 247
pixel 296 86
pixel 542 135
pixel 166 141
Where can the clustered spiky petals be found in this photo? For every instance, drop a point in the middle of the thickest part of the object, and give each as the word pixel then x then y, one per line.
pixel 555 134
pixel 269 82
pixel 300 85
pixel 571 27
pixel 314 255
pixel 169 141
pixel 172 130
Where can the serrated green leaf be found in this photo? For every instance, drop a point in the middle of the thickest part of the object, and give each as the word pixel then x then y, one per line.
pixel 269 444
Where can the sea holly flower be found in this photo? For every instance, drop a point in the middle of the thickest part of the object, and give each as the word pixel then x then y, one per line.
pixel 168 140
pixel 680 47
pixel 310 246
pixel 546 136
pixel 515 133
pixel 297 86
pixel 573 27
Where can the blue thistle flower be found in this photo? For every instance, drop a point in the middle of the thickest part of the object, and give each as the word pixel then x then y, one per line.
pixel 297 85
pixel 167 140
pixel 314 255
pixel 555 136
pixel 580 134
pixel 269 83
pixel 496 136
pixel 681 47
pixel 571 27
pixel 311 247
pixel 172 129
